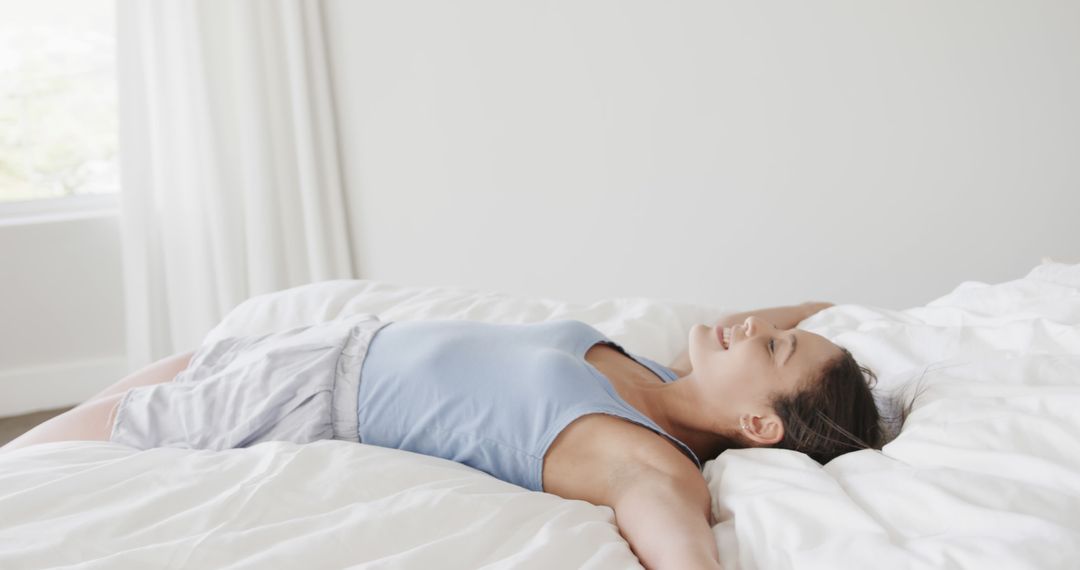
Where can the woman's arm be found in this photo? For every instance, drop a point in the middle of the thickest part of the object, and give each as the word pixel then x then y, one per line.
pixel 786 317
pixel 666 519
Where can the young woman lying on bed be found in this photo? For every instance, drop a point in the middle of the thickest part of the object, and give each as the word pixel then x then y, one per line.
pixel 554 406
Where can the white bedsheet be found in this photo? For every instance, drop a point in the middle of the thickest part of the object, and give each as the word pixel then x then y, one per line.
pixel 985 474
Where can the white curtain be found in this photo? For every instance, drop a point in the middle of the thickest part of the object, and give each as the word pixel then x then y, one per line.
pixel 230 177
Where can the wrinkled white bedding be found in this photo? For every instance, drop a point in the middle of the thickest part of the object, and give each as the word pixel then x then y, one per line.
pixel 985 474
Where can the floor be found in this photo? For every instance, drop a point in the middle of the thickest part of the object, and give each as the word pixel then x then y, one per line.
pixel 12 427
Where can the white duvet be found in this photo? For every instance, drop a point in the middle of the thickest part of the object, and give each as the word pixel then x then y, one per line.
pixel 984 474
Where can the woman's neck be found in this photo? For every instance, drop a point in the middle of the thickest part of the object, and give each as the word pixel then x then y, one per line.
pixel 678 409
pixel 675 406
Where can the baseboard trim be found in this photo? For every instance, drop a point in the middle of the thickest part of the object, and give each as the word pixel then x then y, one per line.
pixel 49 386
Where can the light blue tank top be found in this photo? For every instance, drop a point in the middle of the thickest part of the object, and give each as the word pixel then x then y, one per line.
pixel 491 396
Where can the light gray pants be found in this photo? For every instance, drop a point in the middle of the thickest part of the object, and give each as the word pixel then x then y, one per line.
pixel 298 385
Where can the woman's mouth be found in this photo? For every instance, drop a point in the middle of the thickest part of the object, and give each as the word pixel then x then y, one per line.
pixel 720 337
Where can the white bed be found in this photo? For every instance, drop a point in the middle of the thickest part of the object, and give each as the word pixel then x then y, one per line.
pixel 984 474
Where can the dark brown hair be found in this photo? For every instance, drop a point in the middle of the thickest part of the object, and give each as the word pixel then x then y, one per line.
pixel 833 414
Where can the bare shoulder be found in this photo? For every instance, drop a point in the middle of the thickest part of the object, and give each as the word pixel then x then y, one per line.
pixel 598 453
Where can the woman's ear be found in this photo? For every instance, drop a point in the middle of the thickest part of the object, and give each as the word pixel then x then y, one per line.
pixel 763 430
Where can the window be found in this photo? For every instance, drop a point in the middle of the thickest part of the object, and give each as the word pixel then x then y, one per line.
pixel 58 124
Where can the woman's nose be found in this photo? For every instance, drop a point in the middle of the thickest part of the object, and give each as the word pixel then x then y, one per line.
pixel 750 326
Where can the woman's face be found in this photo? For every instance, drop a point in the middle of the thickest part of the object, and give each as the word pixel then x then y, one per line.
pixel 759 360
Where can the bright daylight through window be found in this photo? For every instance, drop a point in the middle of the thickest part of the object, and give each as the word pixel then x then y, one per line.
pixel 58 126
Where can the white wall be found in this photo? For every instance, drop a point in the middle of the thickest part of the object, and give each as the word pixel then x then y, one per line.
pixel 61 313
pixel 739 154
pixel 734 153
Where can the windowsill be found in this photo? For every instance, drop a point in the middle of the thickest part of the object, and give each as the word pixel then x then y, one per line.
pixel 59 209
